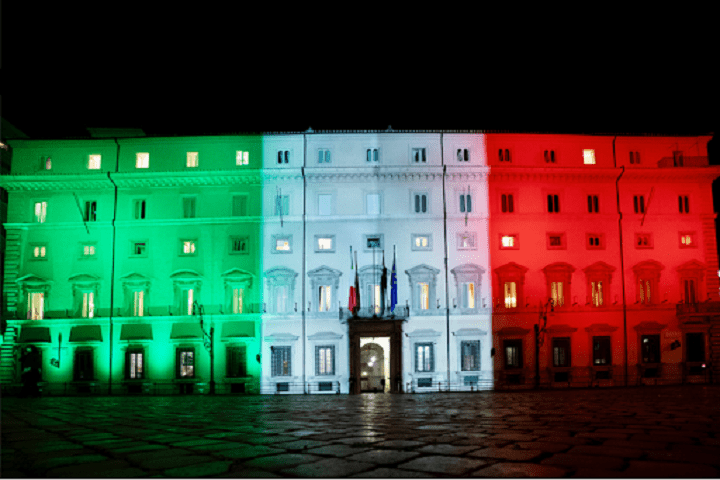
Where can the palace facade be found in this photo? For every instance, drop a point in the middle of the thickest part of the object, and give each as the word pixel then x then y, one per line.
pixel 473 260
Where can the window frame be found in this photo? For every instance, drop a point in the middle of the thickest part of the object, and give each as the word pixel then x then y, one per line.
pixel 470 235
pixel 135 350
pixel 416 248
pixel 139 209
pixel 179 351
pixel 687 234
pixel 242 157
pixel 42 218
pixel 561 237
pixel 233 353
pixel 421 153
pixel 516 241
pixel 317 239
pixel 42 248
pixel 240 200
pixel 599 237
pixel 280 353
pixel 600 339
pixel 508 202
pixel 192 160
pixel 318 353
pixel 142 160
pixel 417 346
pixel 90 161
pixel 416 203
pixel 281 236
pixel 589 154
pixel 189 200
pixel 193 242
pixel 239 238
pixel 639 236
pixel 134 243
pixel 593 203
pixel 515 343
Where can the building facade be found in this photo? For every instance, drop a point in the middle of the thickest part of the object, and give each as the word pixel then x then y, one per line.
pixel 346 262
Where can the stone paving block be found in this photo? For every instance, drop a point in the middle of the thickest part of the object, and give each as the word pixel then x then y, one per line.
pixel 360 440
pixel 565 440
pixel 684 457
pixel 515 437
pixel 398 444
pixel 392 473
pixel 597 473
pixel 606 451
pixel 249 473
pixel 337 450
pixel 641 469
pixel 300 444
pixel 544 446
pixel 122 473
pixel 84 470
pixel 666 437
pixel 520 470
pixel 446 449
pixel 383 457
pixel 262 439
pixel 334 467
pixel 56 448
pixel 645 446
pixel 249 451
pixel 166 452
pixel 603 436
pixel 174 461
pixel 199 470
pixel 139 448
pixel 50 463
pixel 195 443
pixel 214 447
pixel 507 453
pixel 454 466
pixel 589 461
pixel 283 460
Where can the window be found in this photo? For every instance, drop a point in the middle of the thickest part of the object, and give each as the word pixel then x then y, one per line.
pixel 504 155
pixel 372 203
pixel 39 251
pixel 325 243
pixel 556 241
pixel 324 298
pixel 237 300
pixel 639 203
pixel 695 347
pixel 421 203
pixel 187 298
pixel 90 211
pixel 423 282
pixel 83 368
pixel 325 360
pixel 139 209
pixel 513 353
pixel 558 277
pixel 424 361
pixel 36 305
pixel 634 158
pixel 650 345
pixel 553 202
pixel 549 156
pixel 593 204
pixel 138 305
pixel 647 279
pixel 556 294
pixel 189 207
pixel 684 204
pixel 643 240
pixel 134 361
pixel 418 155
pixel 241 157
pixel 239 205
pixel 463 155
pixel 46 163
pixel 506 203
pixel 282 243
pixel 40 212
pixel 236 361
pixel 690 291
pixel 94 162
pixel 596 288
pixel 185 362
pixel 239 245
pixel 281 361
pixel 323 155
pixel 468 295
pixel 466 241
pixel 687 240
pixel 283 156
pixel 470 353
pixel 510 290
pixel 678 158
pixel 374 242
pixel 602 353
pixel 595 241
pixel 589 156
pixel 561 352
pixel 188 247
pixel 325 204
pixel 598 277
pixel 139 249
pixel 372 299
pixel 372 154
pixel 424 295
pixel 646 291
pixel 192 159
pixel 465 203
pixel 88 305
pixel 142 160
pixel 282 205
pixel 421 242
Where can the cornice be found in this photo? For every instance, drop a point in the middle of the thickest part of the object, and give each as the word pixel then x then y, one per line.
pixel 181 179
pixel 17 183
pixel 673 174
pixel 360 174
pixel 569 174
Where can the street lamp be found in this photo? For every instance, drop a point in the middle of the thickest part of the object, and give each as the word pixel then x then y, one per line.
pixel 540 335
pixel 197 309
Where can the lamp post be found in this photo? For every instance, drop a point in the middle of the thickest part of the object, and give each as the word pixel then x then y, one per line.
pixel 540 336
pixel 197 309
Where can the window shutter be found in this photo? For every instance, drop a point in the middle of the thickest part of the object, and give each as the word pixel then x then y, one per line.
pixel 504 203
pixel 510 204
pixel 332 360
pixel 417 357
pixel 432 352
pixel 317 360
pixel 469 203
pixel 462 203
pixel 242 360
pixel 417 203
pixel 424 203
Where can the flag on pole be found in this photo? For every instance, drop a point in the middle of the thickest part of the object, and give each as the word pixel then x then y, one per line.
pixel 357 285
pixel 351 300
pixel 351 258
pixel 383 286
pixel 393 284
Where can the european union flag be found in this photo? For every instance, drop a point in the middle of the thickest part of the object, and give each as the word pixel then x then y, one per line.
pixel 393 285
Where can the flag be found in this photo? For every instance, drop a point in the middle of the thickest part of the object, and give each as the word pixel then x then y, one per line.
pixel 351 300
pixel 393 285
pixel 357 284
pixel 383 286
pixel 351 258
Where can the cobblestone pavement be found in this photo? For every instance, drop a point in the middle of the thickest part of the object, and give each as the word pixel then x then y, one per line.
pixel 633 432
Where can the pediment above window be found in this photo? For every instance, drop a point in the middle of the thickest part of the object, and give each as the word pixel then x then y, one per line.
pixel 648 267
pixel 421 270
pixel 33 281
pixel 84 280
pixel 324 270
pixel 468 271
pixel 512 332
pixel 424 332
pixel 600 328
pixel 135 280
pixel 561 329
pixel 559 269
pixel 600 268
pixel 281 276
pixel 322 336
pixel 186 275
pixel 237 276
pixel 693 268
pixel 650 327
pixel 511 269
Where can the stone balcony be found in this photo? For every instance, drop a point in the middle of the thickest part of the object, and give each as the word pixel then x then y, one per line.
pixel 688 311
pixel 671 162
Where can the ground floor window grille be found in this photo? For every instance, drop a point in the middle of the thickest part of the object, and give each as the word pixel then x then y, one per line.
pixel 236 361
pixel 695 347
pixel 650 348
pixel 470 351
pixel 134 361
pixel 561 352
pixel 325 360
pixel 83 365
pixel 186 363
pixel 602 353
pixel 513 353
pixel 424 361
pixel 281 361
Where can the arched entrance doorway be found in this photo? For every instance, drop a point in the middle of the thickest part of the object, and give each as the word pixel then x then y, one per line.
pixel 375 364
pixel 375 355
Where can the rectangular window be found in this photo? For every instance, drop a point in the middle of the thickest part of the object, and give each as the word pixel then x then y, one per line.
pixel 466 241
pixel 510 289
pixel 324 204
pixel 88 305
pixel 463 155
pixel 36 305
pixel 549 156
pixel 373 242
pixel 689 290
pixel 189 207
pixel 684 204
pixel 650 348
pixel 561 352
pixel 643 240
pixel 283 156
pixel 325 244
pixel 325 360
pixel 192 159
pixel 139 249
pixel 678 158
pixel 597 293
pixel 470 353
pixel 239 205
pixel 138 303
pixel 134 364
pixel 241 157
pixel 421 203
pixel 139 209
pixel 589 156
pixel 506 203
pixel 188 247
pixel 465 203
pixel 420 242
pixel 513 353
pixel 602 353
pixel 90 211
pixel 94 162
pixel 239 245
pixel 556 293
pixel 185 362
pixel 142 160
pixel 424 361
pixel 83 368
pixel 595 241
pixel 553 202
pixel 323 156
pixel 556 241
pixel 424 295
pixel 282 205
pixel 187 300
pixel 372 203
pixel 324 298
pixel 46 163
pixel 645 291
pixel 418 155
pixel 372 154
pixel 236 361
pixel 593 204
pixel 40 212
pixel 468 295
pixel 639 203
pixel 695 347
pixel 282 244
pixel 281 361
pixel 237 300
pixel 504 155
pixel 634 158
pixel 687 240
pixel 39 251
pixel 509 241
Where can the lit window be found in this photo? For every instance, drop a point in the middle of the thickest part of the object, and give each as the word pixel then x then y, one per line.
pixel 325 298
pixel 325 243
pixel 237 300
pixel 138 303
pixel 142 160
pixel 188 297
pixel 323 156
pixel 88 250
pixel 282 244
pixel 134 362
pixel 40 212
pixel 468 295
pixel 645 291
pixel 589 156
pixel 188 247
pixel 421 241
pixel 556 294
pixel 687 240
pixel 424 296
pixel 186 363
pixel 192 159
pixel 88 305
pixel 46 163
pixel 508 241
pixel 36 305
pixel 39 251
pixel 470 352
pixel 418 155
pixel 325 360
pixel 424 357
pixel 597 293
pixel 280 361
pixel 373 291
pixel 372 203
pixel 510 295
pixel 94 162
pixel 241 157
